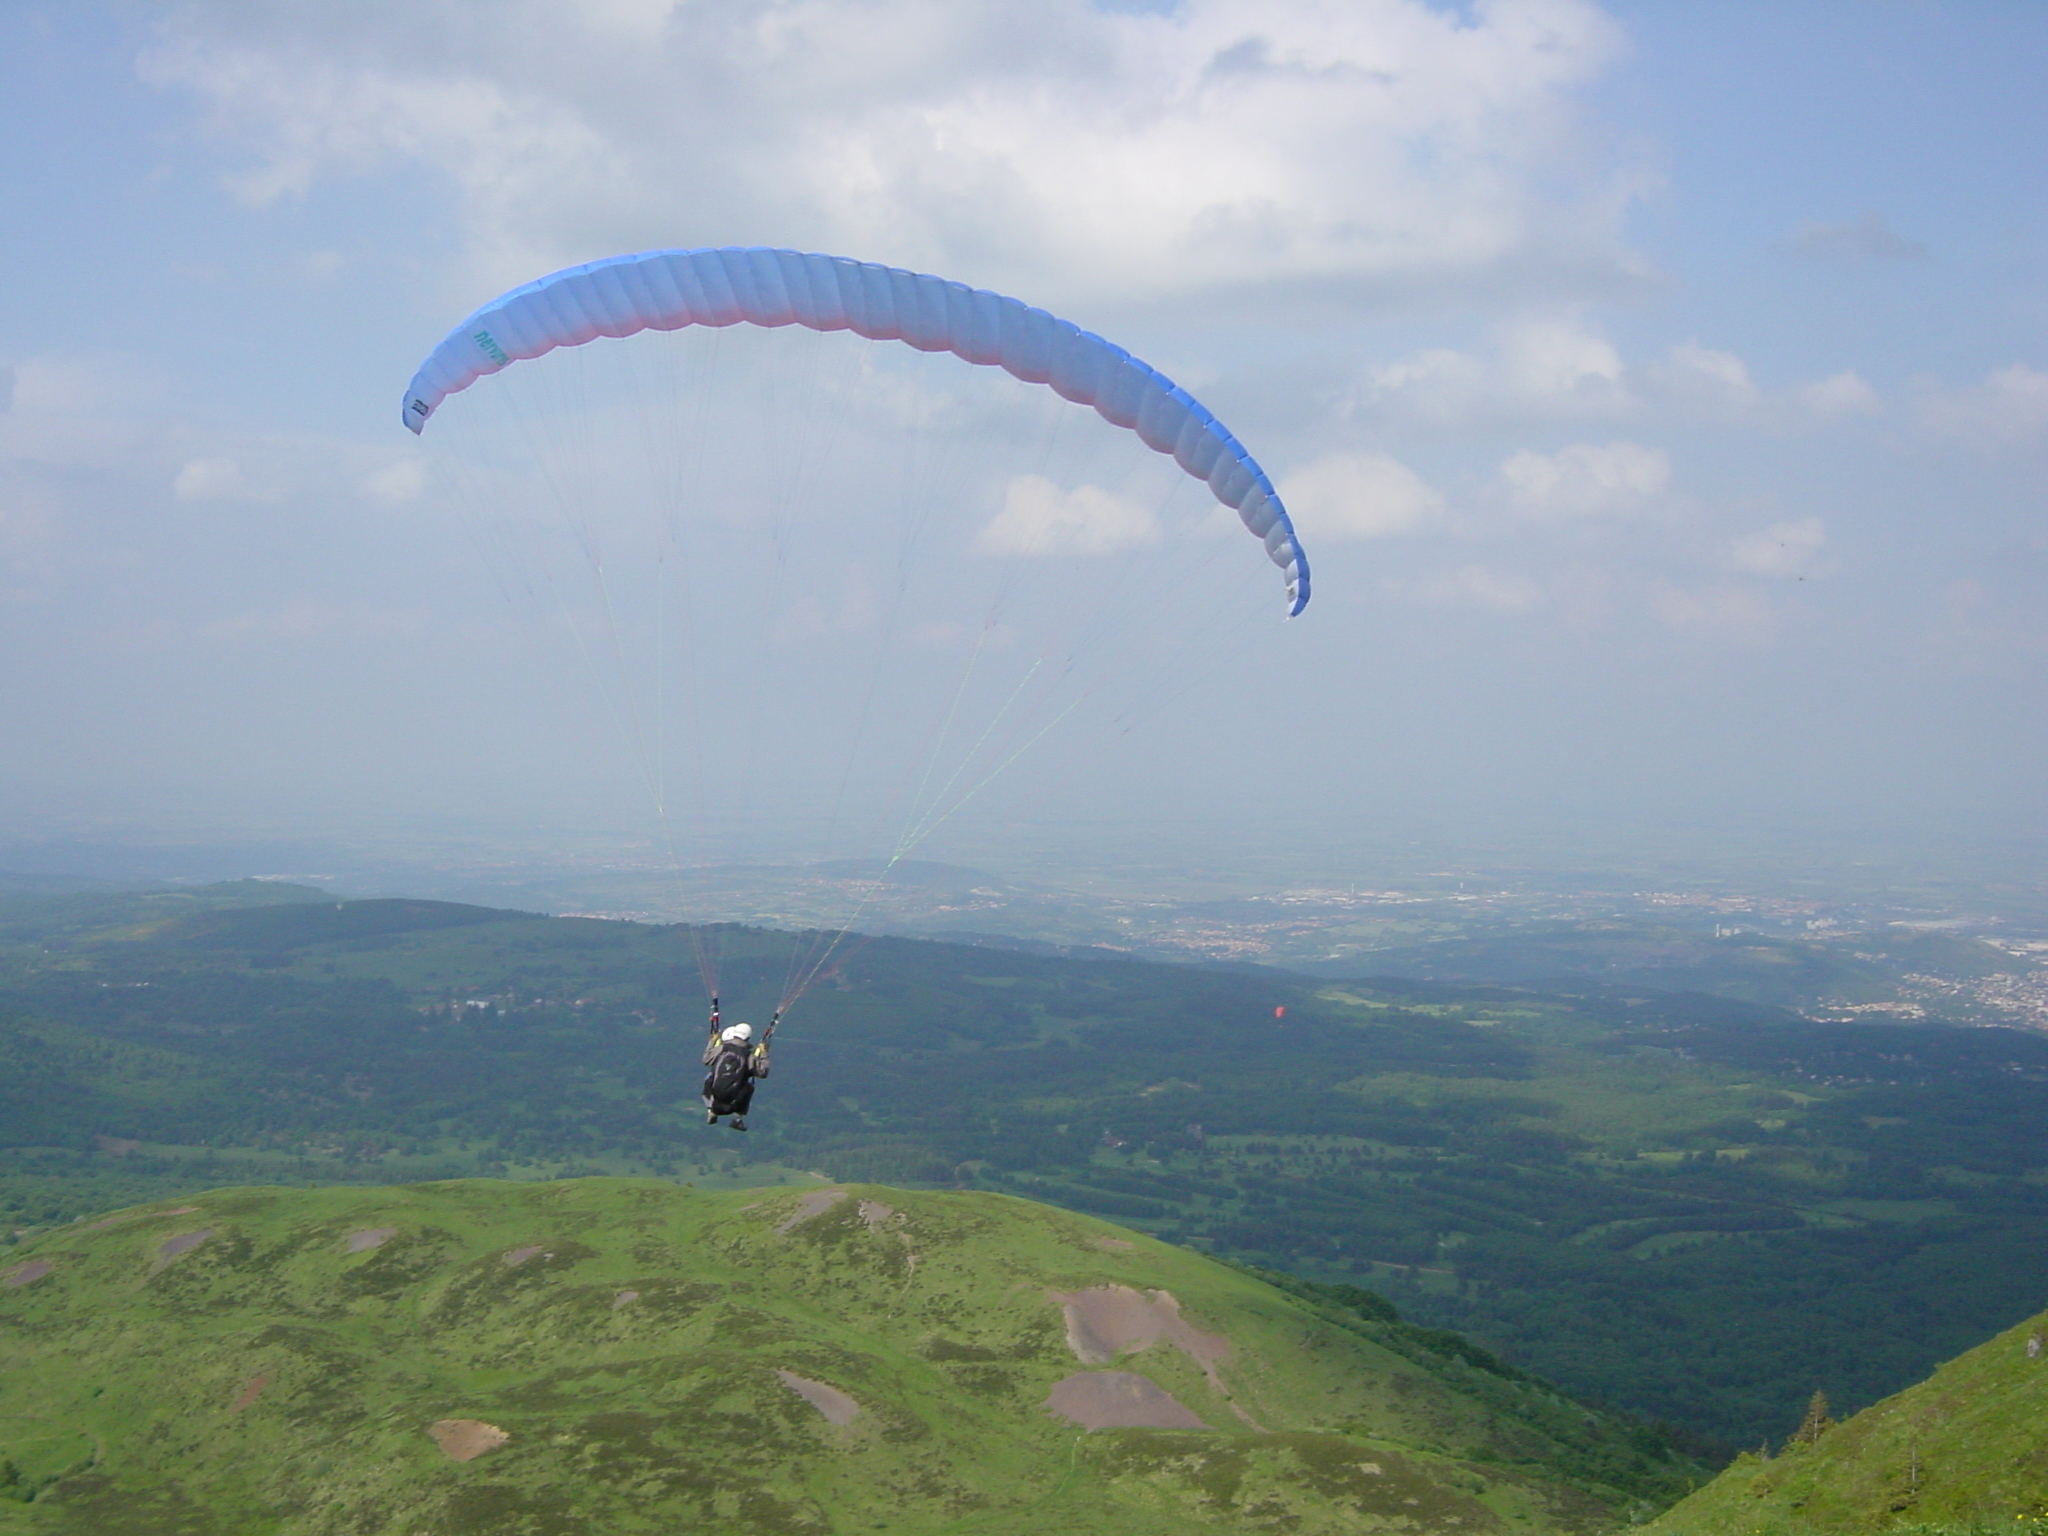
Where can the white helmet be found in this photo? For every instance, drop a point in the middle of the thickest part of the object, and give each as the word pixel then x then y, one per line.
pixel 739 1034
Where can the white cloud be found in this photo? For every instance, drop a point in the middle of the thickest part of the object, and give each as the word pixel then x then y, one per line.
pixel 398 482
pixel 216 479
pixel 1038 518
pixel 1540 369
pixel 1724 614
pixel 1560 362
pixel 1586 479
pixel 1781 550
pixel 2018 400
pixel 1392 144
pixel 1544 370
pixel 1358 496
pixel 1479 586
pixel 1704 381
pixel 1838 395
pixel 77 384
pixel 2009 408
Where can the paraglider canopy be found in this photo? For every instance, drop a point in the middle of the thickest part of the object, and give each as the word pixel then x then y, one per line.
pixel 669 290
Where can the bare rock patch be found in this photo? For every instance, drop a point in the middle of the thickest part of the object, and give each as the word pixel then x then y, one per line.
pixel 1118 1400
pixel 174 1247
pixel 370 1238
pixel 466 1439
pixel 251 1390
pixel 27 1274
pixel 815 1203
pixel 1105 1321
pixel 834 1404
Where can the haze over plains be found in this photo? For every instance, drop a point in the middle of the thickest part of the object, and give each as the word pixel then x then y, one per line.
pixel 1661 392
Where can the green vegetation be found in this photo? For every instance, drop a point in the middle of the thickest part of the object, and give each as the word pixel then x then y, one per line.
pixel 1957 1455
pixel 1695 1209
pixel 613 1356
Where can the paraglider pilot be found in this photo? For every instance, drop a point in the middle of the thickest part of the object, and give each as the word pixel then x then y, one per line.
pixel 735 1063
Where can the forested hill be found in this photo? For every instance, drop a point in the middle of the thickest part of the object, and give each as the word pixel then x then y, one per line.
pixel 1696 1209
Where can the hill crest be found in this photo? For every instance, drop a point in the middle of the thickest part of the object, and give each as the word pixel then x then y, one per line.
pixel 617 1355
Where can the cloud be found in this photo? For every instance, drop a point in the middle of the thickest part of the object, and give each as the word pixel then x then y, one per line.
pixel 1560 362
pixel 1038 518
pixel 217 479
pixel 1387 145
pixel 2008 409
pixel 1727 615
pixel 1551 370
pixel 6 389
pixel 1358 496
pixel 79 384
pixel 1540 369
pixel 1586 479
pixel 398 482
pixel 1838 395
pixel 1865 238
pixel 1702 382
pixel 1479 586
pixel 1781 550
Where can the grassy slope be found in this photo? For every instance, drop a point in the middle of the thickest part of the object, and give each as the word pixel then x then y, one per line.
pixel 122 1371
pixel 1961 1452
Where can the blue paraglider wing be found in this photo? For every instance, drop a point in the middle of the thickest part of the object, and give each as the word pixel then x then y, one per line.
pixel 667 290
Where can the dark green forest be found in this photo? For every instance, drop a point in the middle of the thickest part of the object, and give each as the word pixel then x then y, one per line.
pixel 1695 1209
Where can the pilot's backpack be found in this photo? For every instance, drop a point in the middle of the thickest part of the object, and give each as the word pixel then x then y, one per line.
pixel 730 1070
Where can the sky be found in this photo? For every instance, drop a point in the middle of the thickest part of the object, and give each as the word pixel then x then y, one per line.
pixel 1660 390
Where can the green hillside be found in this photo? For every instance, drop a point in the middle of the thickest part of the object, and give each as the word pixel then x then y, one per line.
pixel 615 1355
pixel 1961 1454
pixel 1694 1209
